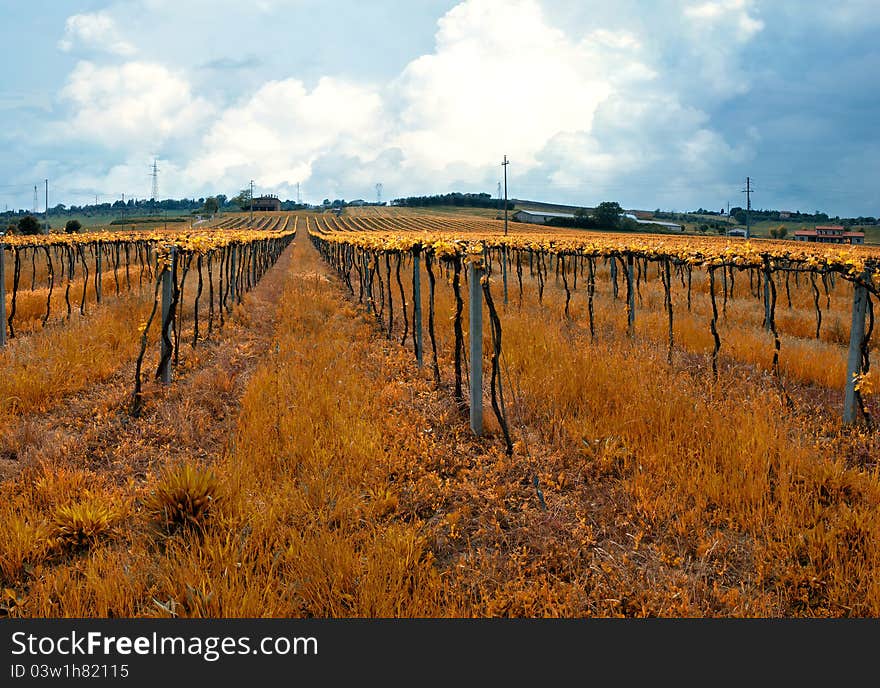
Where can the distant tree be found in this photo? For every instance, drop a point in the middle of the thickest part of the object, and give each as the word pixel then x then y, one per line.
pixel 607 214
pixel 243 200
pixel 72 226
pixel 29 225
pixel 456 198
pixel 778 232
pixel 212 205
pixel 221 199
pixel 628 224
pixel 11 228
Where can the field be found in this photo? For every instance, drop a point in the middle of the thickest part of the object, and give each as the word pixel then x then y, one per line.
pixel 662 429
pixel 109 221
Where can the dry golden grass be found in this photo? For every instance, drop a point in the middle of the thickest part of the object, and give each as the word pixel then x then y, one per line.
pixel 42 368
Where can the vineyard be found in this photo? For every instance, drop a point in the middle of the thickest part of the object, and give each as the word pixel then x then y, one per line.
pixel 284 416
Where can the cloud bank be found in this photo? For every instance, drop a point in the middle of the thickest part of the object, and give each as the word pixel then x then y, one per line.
pixel 639 104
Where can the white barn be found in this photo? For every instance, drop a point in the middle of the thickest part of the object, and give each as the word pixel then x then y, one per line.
pixel 538 217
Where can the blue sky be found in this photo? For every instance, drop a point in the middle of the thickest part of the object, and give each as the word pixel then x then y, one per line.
pixel 667 104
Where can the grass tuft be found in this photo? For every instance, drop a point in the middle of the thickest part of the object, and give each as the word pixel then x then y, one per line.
pixel 185 497
pixel 79 526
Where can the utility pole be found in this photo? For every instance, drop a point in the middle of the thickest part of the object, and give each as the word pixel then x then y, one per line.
pixel 252 202
pixel 504 248
pixel 504 165
pixel 748 192
pixel 379 193
pixel 35 200
pixel 47 206
pixel 155 187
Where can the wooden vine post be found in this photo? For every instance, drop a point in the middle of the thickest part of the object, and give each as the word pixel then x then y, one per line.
pixel 98 273
pixel 504 270
pixel 614 276
pixel 168 279
pixel 854 359
pixel 233 271
pixel 417 305
pixel 630 297
pixel 475 306
pixel 2 292
pixel 368 283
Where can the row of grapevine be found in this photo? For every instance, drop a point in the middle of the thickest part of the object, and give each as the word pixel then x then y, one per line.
pixel 219 265
pixel 362 251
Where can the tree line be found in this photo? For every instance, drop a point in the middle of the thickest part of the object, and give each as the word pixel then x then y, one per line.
pixel 470 200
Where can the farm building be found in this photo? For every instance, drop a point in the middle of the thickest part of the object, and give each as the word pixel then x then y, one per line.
pixel 538 217
pixel 830 234
pixel 736 232
pixel 666 225
pixel 266 203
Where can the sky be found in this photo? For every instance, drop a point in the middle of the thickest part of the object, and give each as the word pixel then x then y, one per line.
pixel 669 104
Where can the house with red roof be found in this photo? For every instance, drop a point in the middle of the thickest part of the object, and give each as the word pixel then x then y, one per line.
pixel 829 234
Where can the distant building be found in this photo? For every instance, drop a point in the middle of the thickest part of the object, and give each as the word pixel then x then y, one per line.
pixel 267 203
pixel 357 202
pixel 538 217
pixel 736 232
pixel 829 234
pixel 784 214
pixel 672 226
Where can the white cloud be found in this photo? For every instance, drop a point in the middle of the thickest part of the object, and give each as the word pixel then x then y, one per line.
pixel 731 16
pixel 96 31
pixel 501 80
pixel 278 133
pixel 136 105
pixel 582 112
